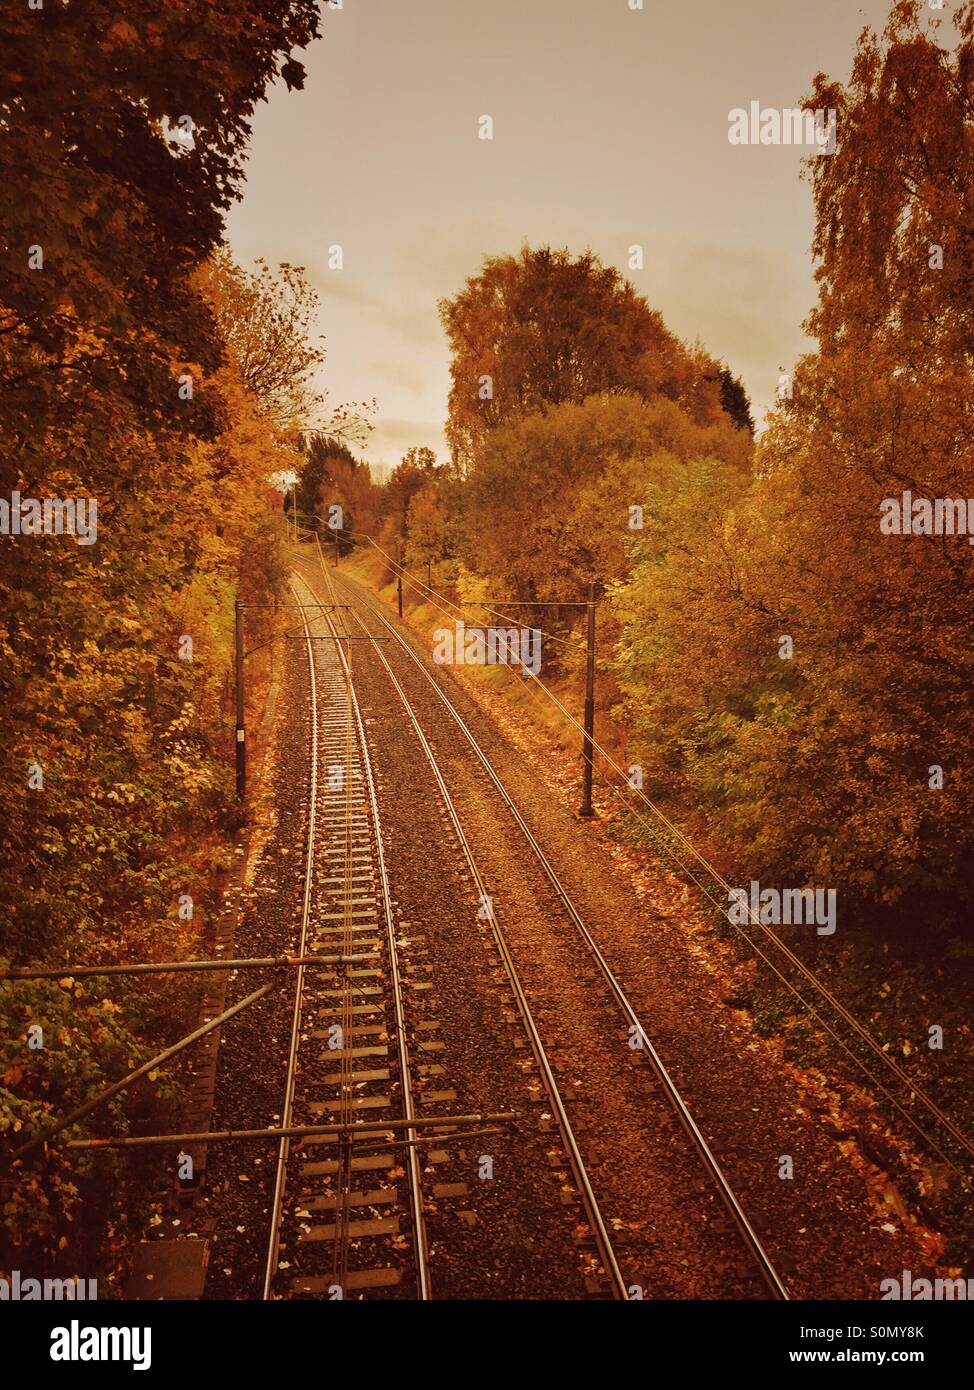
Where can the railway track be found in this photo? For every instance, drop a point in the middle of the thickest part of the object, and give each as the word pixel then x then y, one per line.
pixel 607 1263
pixel 526 988
pixel 336 1232
pixel 327 1211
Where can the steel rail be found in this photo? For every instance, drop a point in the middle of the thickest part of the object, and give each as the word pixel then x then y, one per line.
pixel 277 1202
pixel 749 1236
pixel 421 1242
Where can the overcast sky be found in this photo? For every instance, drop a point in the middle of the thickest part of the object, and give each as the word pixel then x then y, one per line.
pixel 610 129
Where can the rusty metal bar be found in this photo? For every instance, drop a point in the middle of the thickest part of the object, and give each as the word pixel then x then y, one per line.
pixel 238 684
pixel 586 807
pixel 429 1139
pixel 166 967
pixel 369 1129
pixel 80 1111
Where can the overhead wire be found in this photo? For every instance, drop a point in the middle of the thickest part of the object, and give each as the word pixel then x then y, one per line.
pixel 472 603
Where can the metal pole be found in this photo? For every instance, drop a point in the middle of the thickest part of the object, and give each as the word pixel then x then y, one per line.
pixel 370 1132
pixel 238 666
pixel 399 580
pixel 337 550
pixel 460 1138
pixel 321 556
pixel 586 809
pixel 81 1110
pixel 168 967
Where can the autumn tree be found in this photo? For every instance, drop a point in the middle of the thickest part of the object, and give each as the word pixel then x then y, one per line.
pixel 124 129
pixel 267 319
pixel 735 400
pixel 426 524
pixel 415 469
pixel 553 499
pixel 804 673
pixel 420 458
pixel 123 132
pixel 546 328
pixel 331 476
pixel 435 522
